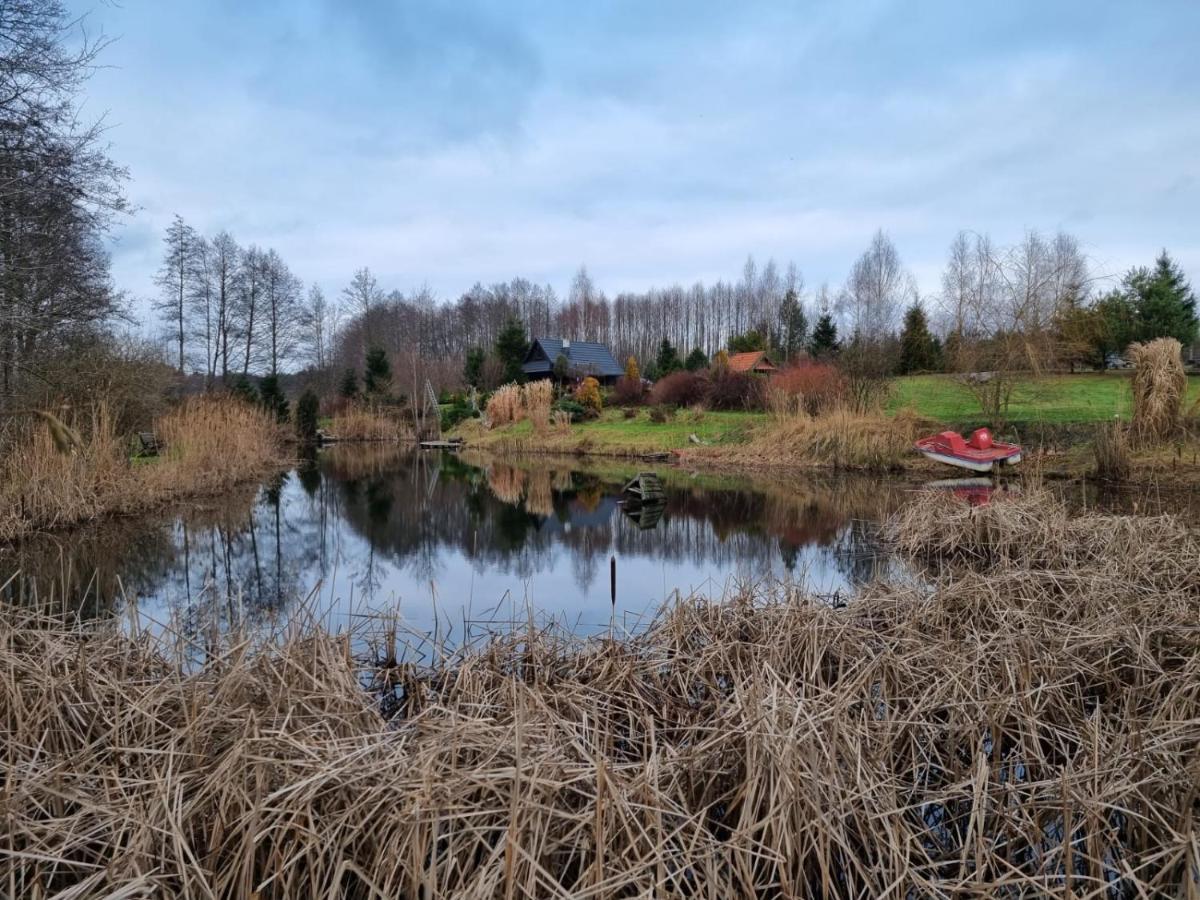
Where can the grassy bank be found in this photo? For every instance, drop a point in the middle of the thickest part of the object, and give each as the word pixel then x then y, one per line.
pixel 1024 725
pixel 210 444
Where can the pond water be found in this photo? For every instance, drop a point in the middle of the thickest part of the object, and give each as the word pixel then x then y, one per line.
pixel 452 540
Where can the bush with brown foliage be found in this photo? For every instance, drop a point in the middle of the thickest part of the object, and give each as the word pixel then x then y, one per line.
pixel 588 396
pixel 627 392
pixel 736 391
pixel 680 389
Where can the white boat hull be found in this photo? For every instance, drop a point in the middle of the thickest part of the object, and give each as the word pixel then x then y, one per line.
pixel 974 466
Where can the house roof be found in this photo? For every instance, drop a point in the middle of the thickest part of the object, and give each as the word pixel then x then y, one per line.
pixel 749 361
pixel 583 357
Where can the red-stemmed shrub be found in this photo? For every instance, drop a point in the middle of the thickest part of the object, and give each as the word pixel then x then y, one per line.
pixel 679 389
pixel 814 387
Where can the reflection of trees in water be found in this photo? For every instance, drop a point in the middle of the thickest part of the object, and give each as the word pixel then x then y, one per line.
pixel 367 510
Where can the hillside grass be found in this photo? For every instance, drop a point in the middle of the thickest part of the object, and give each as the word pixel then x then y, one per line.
pixel 1053 399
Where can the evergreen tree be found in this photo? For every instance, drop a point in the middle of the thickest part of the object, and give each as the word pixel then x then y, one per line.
pixel 751 340
pixel 918 352
pixel 244 390
pixel 1163 302
pixel 307 412
pixel 793 326
pixel 473 367
pixel 511 347
pixel 824 340
pixel 377 375
pixel 349 385
pixel 667 361
pixel 272 399
pixel 696 360
pixel 562 368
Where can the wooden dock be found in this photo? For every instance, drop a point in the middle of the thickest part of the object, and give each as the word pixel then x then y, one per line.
pixel 456 444
pixel 645 487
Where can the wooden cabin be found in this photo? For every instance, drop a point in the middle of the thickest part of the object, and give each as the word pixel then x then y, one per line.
pixel 583 358
pixel 755 362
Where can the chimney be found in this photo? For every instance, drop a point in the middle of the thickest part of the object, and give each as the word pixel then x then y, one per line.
pixel 566 344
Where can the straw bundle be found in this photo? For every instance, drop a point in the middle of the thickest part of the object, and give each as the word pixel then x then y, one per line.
pixel 1159 385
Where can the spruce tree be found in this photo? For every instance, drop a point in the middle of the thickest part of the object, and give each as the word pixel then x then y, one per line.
pixel 824 341
pixel 696 360
pixel 349 386
pixel 1163 302
pixel 307 412
pixel 667 361
pixel 377 375
pixel 272 399
pixel 473 367
pixel 918 352
pixel 511 347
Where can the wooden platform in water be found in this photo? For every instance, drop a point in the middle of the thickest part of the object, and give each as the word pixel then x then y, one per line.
pixel 441 445
pixel 645 487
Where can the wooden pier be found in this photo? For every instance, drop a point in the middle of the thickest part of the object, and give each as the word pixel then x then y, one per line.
pixel 645 487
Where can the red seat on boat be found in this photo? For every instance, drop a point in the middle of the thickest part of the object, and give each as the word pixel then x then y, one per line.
pixel 954 441
pixel 981 439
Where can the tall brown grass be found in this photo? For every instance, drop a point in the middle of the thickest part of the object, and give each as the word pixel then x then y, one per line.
pixel 538 397
pixel 210 444
pixel 1025 731
pixel 1159 385
pixel 361 423
pixel 839 438
pixel 1111 450
pixel 504 407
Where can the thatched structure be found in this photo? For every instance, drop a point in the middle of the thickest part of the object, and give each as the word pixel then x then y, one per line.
pixel 1159 386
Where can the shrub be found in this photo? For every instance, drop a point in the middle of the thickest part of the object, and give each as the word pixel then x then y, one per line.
pixel 630 412
pixel 572 410
pixel 587 395
pixel 628 391
pixel 307 410
pixel 810 387
pixel 736 391
pixel 504 407
pixel 456 413
pixel 538 397
pixel 661 414
pixel 680 389
pixel 272 399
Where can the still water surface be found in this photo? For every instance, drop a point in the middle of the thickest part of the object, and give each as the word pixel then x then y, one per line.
pixel 450 540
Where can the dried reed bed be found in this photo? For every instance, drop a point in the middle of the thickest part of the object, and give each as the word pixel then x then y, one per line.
pixel 839 438
pixel 211 444
pixel 1014 733
pixel 361 423
pixel 1159 385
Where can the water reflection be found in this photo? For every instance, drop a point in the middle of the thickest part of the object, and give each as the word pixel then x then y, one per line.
pixel 456 537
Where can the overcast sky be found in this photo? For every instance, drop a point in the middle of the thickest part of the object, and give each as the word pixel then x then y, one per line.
pixel 449 143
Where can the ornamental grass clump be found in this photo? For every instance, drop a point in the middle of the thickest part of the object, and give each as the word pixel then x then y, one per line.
pixel 538 398
pixel 505 406
pixel 1159 384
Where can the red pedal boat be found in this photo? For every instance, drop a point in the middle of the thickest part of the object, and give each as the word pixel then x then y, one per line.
pixel 979 454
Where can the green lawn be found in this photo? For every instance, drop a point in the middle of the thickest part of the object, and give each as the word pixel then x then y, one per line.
pixel 1059 399
pixel 612 431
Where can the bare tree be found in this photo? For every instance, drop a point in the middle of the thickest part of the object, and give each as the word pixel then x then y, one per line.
pixel 174 278
pixel 363 293
pixel 877 291
pixel 225 259
pixel 281 295
pixel 249 292
pixel 319 323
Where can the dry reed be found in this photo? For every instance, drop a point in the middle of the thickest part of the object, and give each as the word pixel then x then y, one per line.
pixel 538 396
pixel 361 423
pixel 504 406
pixel 1008 733
pixel 1110 448
pixel 1159 385
pixel 210 443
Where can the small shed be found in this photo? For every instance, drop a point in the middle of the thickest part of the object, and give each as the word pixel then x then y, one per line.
pixel 583 358
pixel 756 362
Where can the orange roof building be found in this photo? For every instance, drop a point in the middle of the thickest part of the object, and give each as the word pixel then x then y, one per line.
pixel 755 361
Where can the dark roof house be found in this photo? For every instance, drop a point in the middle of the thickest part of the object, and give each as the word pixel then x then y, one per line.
pixel 583 358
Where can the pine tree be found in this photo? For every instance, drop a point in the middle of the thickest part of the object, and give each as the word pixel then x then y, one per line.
pixel 824 340
pixel 745 343
pixel 918 352
pixel 1163 302
pixel 377 375
pixel 696 360
pixel 793 326
pixel 511 347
